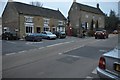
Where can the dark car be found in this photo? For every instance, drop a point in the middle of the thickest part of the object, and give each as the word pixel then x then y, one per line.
pixel 60 34
pixel 101 34
pixel 33 37
pixel 9 36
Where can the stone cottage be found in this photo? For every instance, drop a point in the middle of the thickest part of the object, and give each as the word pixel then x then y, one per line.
pixel 83 17
pixel 25 18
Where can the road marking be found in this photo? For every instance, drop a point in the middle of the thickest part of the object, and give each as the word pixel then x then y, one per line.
pixel 94 71
pixel 74 56
pixel 21 51
pixel 89 77
pixel 102 50
pixel 11 42
pixel 60 53
pixel 41 47
pixel 59 44
pixel 33 42
pixel 9 54
pixel 74 48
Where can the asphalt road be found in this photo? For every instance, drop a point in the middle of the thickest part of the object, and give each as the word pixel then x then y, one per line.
pixel 17 46
pixel 72 59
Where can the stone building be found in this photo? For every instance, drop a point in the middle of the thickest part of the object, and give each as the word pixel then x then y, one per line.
pixel 24 19
pixel 83 17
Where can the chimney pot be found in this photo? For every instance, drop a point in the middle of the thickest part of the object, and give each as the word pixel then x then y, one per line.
pixel 97 5
pixel 74 0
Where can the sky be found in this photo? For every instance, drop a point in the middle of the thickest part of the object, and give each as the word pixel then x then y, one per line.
pixel 64 5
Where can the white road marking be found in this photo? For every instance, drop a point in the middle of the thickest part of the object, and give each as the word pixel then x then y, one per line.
pixel 102 50
pixel 60 53
pixel 10 54
pixel 74 56
pixel 33 42
pixel 59 44
pixel 89 77
pixel 74 49
pixel 94 71
pixel 11 42
pixel 41 47
pixel 21 51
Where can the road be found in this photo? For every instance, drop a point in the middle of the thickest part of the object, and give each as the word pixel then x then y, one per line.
pixel 76 58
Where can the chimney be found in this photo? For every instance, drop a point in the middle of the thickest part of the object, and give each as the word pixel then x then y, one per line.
pixel 74 0
pixel 97 5
pixel 10 0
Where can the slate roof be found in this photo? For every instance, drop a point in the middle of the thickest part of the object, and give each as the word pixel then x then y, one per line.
pixel 28 9
pixel 89 8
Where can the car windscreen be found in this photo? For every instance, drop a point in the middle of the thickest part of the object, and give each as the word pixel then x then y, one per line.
pixel 62 32
pixel 49 33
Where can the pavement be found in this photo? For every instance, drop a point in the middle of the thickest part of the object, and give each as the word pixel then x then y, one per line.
pixel 70 58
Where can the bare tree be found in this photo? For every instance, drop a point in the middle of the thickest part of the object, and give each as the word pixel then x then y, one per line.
pixel 39 4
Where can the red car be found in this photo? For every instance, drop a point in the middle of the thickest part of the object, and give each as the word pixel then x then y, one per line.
pixel 101 34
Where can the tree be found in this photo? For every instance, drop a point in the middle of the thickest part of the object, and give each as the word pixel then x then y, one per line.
pixel 91 27
pixel 39 4
pixel 111 21
pixel 96 25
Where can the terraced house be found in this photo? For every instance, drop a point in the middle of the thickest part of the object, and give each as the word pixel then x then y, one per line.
pixel 84 17
pixel 24 19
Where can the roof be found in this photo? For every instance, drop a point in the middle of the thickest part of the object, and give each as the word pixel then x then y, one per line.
pixel 89 8
pixel 28 9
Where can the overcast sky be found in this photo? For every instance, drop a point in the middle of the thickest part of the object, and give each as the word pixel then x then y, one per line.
pixel 64 5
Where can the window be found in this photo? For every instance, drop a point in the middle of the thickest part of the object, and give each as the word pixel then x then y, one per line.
pixel 28 19
pixel 60 22
pixel 29 29
pixel 46 21
pixel 46 29
pixel 86 16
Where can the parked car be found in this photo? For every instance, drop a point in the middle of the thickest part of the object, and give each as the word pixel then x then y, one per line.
pixel 33 37
pixel 60 34
pixel 9 36
pixel 101 34
pixel 109 65
pixel 115 32
pixel 48 35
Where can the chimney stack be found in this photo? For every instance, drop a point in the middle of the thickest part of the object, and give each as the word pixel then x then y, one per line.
pixel 74 0
pixel 97 5
pixel 10 0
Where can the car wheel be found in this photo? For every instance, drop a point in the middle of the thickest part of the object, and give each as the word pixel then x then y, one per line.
pixel 49 38
pixel 59 37
pixel 104 37
pixel 95 37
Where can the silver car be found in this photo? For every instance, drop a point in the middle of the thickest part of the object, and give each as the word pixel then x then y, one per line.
pixel 48 35
pixel 109 65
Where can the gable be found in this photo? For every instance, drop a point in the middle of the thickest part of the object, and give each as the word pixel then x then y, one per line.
pixel 87 8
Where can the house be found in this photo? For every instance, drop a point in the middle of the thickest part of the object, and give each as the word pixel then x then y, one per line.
pixel 84 18
pixel 24 19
